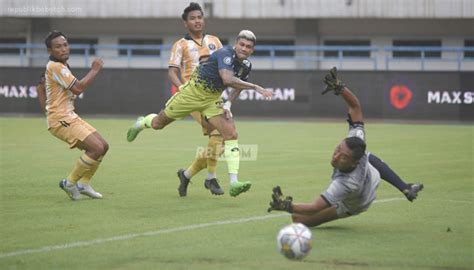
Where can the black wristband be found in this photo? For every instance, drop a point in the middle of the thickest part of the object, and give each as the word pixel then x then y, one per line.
pixel 289 207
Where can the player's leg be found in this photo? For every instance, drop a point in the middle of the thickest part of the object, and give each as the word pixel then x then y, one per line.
pixel 185 175
pixel 199 163
pixel 227 129
pixel 177 107
pixel 386 173
pixel 95 147
pixel 215 148
pixel 153 120
pixel 75 133
pixel 205 158
pixel 326 215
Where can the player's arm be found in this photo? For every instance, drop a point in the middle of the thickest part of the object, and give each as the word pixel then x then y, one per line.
pixel 316 206
pixel 176 59
pixel 41 91
pixel 339 88
pixel 81 85
pixel 174 76
pixel 281 203
pixel 233 94
pixel 230 80
pixel 355 109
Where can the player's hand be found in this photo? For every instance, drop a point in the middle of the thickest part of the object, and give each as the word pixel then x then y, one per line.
pixel 264 92
pixel 280 203
pixel 97 64
pixel 332 83
pixel 227 112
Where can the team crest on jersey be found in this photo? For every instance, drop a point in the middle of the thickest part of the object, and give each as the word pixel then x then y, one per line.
pixel 246 62
pixel 65 72
pixel 228 60
pixel 211 46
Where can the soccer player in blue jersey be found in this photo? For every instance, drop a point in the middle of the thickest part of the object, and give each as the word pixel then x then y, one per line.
pixel 226 67
pixel 356 175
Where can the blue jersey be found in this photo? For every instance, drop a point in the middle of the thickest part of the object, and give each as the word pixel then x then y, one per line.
pixel 207 73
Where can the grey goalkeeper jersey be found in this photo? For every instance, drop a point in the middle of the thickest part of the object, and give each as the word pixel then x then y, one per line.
pixel 356 189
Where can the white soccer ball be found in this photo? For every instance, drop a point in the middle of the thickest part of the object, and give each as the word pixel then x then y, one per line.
pixel 295 241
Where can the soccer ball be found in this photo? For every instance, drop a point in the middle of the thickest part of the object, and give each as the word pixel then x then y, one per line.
pixel 295 241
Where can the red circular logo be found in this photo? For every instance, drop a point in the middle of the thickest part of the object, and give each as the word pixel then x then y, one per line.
pixel 400 96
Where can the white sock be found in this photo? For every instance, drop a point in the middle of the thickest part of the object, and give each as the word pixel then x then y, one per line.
pixel 69 183
pixel 211 175
pixel 187 174
pixel 81 185
pixel 233 178
pixel 140 124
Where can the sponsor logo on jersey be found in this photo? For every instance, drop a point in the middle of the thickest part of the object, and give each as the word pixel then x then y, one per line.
pixel 227 60
pixel 65 72
pixel 211 46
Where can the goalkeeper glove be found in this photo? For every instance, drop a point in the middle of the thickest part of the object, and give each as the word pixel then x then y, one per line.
pixel 279 203
pixel 332 83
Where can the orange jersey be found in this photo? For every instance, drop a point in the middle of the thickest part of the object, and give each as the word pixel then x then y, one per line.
pixel 186 53
pixel 59 99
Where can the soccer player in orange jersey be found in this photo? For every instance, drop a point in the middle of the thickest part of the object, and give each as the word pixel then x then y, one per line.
pixel 186 54
pixel 56 94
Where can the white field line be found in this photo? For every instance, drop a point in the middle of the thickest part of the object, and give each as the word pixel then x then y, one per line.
pixel 389 200
pixel 154 233
pixel 135 235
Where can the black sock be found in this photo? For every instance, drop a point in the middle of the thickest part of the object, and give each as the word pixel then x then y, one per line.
pixel 386 173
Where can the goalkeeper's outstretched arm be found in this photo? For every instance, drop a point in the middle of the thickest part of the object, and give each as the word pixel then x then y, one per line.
pixel 355 109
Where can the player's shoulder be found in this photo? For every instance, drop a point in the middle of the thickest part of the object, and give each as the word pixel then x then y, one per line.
pixel 213 38
pixel 56 67
pixel 213 42
pixel 180 41
pixel 229 50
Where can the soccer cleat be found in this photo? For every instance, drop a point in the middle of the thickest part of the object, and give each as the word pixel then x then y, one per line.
pixel 71 190
pixel 213 186
pixel 135 129
pixel 412 192
pixel 89 191
pixel 183 183
pixel 239 187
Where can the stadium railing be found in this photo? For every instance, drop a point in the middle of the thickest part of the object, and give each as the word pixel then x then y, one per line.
pixel 302 57
pixel 458 55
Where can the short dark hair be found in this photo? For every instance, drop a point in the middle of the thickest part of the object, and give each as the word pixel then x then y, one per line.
pixel 357 147
pixel 52 35
pixel 192 7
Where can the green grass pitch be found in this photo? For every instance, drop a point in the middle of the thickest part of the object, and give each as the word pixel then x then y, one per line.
pixel 142 223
